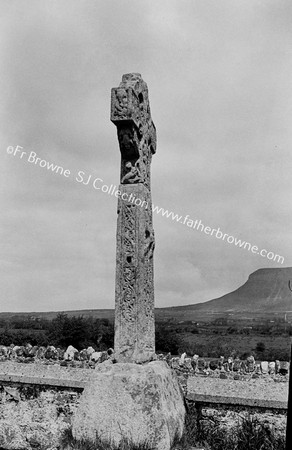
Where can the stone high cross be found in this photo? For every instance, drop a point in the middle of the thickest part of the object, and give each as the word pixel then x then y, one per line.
pixel 134 296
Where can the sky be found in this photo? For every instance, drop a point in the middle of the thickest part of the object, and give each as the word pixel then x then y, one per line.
pixel 219 80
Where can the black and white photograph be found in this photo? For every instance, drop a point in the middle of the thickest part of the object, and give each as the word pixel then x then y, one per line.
pixel 146 251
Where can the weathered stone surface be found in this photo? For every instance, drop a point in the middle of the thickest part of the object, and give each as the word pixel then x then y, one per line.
pixel 3 350
pixel 272 367
pixel 223 376
pixel 134 304
pixel 174 363
pixel 194 362
pixel 284 368
pixel 182 359
pixel 188 364
pixel 90 350
pixel 95 356
pixel 40 374
pixel 236 365
pixel 37 419
pixel 255 392
pixel 230 363
pixel 250 362
pixel 214 364
pixel 52 353
pixel 70 353
pixel 201 364
pixel 83 355
pixel 141 402
pixel 265 367
pixel 40 354
pixel 11 436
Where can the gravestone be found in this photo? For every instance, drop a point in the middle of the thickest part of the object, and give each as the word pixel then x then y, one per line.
pixel 134 295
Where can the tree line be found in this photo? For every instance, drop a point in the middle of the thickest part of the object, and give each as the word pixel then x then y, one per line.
pixel 79 331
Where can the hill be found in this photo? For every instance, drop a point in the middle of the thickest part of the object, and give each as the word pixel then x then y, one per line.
pixel 266 293
pixel 265 290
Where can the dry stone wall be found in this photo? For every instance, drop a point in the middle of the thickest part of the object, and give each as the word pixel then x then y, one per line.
pixel 228 368
pixel 223 367
pixel 38 395
pixel 70 357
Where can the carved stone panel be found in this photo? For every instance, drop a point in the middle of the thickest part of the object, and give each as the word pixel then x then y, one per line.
pixel 134 308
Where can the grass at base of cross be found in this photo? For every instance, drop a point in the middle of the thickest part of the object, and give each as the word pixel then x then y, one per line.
pixel 249 433
pixel 205 434
pixel 68 442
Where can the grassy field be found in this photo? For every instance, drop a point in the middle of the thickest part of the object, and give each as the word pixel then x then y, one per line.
pixel 276 347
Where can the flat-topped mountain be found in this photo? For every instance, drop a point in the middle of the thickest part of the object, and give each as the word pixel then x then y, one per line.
pixel 266 290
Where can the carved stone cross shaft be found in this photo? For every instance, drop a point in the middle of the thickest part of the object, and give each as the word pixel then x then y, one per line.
pixel 134 297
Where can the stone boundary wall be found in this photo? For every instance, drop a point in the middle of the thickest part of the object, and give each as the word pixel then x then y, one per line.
pixel 229 368
pixel 229 402
pixel 87 358
pixel 37 401
pixel 41 374
pixel 256 393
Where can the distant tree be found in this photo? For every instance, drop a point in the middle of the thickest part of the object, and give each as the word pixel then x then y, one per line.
pixel 245 331
pixel 56 329
pixel 260 347
pixel 23 337
pixel 166 340
pixel 81 332
pixel 105 334
pixel 220 321
pixel 231 330
pixel 66 331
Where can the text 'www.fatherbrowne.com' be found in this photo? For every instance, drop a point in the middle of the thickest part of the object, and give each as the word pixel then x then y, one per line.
pixel 98 184
pixel 217 233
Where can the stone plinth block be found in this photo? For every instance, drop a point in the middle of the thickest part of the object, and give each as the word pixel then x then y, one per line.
pixel 142 403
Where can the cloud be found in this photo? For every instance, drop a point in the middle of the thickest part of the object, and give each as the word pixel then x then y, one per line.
pixel 220 97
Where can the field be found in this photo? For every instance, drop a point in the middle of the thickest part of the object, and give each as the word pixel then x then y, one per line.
pixel 266 337
pixel 275 347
